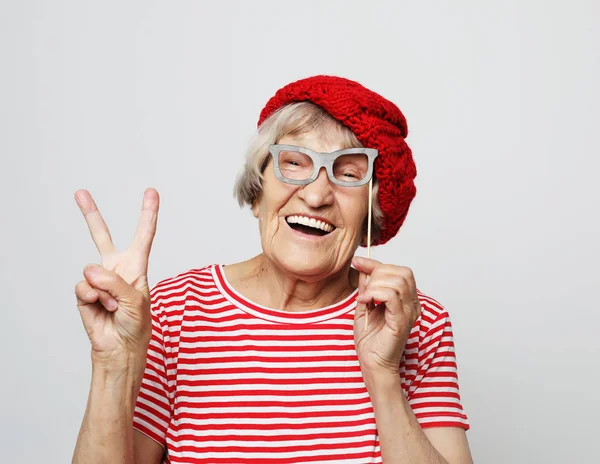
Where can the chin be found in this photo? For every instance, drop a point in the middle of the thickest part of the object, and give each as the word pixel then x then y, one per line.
pixel 301 263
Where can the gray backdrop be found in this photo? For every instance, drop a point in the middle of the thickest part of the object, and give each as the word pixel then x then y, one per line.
pixel 502 101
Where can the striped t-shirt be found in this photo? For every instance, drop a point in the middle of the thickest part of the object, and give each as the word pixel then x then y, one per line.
pixel 230 381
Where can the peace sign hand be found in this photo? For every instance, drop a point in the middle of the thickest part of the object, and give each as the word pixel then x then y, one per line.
pixel 114 298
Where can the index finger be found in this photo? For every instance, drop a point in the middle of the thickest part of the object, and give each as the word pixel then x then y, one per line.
pixel 144 235
pixel 98 228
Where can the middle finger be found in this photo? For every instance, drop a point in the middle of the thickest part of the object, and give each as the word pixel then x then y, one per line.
pixel 397 282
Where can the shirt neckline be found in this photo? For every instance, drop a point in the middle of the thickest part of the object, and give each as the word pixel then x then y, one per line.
pixel 276 315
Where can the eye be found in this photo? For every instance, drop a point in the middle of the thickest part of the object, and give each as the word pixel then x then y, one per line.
pixel 351 167
pixel 349 173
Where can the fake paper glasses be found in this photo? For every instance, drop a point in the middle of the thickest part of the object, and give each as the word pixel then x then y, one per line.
pixel 351 167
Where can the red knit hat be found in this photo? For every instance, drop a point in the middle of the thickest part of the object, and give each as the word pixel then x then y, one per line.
pixel 377 123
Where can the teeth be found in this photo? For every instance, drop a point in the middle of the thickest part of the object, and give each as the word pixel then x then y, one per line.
pixel 310 223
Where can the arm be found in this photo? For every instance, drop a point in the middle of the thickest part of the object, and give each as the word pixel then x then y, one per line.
pixel 146 450
pixel 380 347
pixel 402 438
pixel 451 442
pixel 106 434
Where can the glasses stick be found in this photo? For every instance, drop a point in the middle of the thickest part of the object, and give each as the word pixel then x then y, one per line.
pixel 369 241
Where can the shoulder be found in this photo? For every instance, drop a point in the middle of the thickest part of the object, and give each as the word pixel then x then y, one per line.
pixel 431 337
pixel 433 313
pixel 175 289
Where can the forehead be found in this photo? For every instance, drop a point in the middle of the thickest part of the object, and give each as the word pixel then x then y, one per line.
pixel 322 140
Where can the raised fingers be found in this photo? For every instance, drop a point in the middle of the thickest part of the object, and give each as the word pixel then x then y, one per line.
pixel 98 229
pixel 144 235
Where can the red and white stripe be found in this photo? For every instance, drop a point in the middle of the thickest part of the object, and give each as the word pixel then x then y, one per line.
pixel 231 381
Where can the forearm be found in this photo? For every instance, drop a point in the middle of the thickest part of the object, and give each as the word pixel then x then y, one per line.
pixel 401 438
pixel 106 434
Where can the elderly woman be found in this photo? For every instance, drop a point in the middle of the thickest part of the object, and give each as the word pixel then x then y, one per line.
pixel 304 353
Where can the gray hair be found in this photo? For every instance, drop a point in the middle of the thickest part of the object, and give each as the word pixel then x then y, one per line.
pixel 293 119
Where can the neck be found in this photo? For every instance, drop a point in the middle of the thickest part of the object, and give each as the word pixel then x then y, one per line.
pixel 264 282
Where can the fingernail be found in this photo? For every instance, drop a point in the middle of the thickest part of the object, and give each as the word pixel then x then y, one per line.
pixel 112 304
pixel 79 198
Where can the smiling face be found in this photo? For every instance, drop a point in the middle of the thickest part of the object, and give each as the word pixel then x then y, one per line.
pixel 314 230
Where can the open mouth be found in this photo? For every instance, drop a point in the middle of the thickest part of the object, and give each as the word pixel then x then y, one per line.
pixel 309 226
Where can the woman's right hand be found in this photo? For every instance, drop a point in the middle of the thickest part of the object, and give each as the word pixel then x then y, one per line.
pixel 114 297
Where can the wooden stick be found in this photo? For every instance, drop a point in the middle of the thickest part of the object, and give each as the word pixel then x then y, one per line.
pixel 369 242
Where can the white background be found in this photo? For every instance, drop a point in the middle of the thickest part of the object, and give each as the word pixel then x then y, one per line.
pixel 502 100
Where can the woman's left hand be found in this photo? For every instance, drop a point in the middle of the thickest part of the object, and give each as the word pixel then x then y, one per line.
pixel 393 288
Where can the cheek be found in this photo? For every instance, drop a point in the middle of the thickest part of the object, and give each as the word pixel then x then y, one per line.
pixel 275 197
pixel 355 211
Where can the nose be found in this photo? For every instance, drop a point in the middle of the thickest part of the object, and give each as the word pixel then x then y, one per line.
pixel 319 192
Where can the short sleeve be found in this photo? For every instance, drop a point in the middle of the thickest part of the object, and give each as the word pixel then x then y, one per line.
pixel 152 412
pixel 434 394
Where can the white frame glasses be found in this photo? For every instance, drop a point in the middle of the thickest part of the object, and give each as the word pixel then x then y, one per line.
pixel 320 160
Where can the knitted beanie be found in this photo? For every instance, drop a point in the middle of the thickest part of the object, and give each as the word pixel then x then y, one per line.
pixel 377 123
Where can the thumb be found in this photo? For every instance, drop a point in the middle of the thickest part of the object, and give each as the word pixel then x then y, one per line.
pixel 111 282
pixel 366 265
